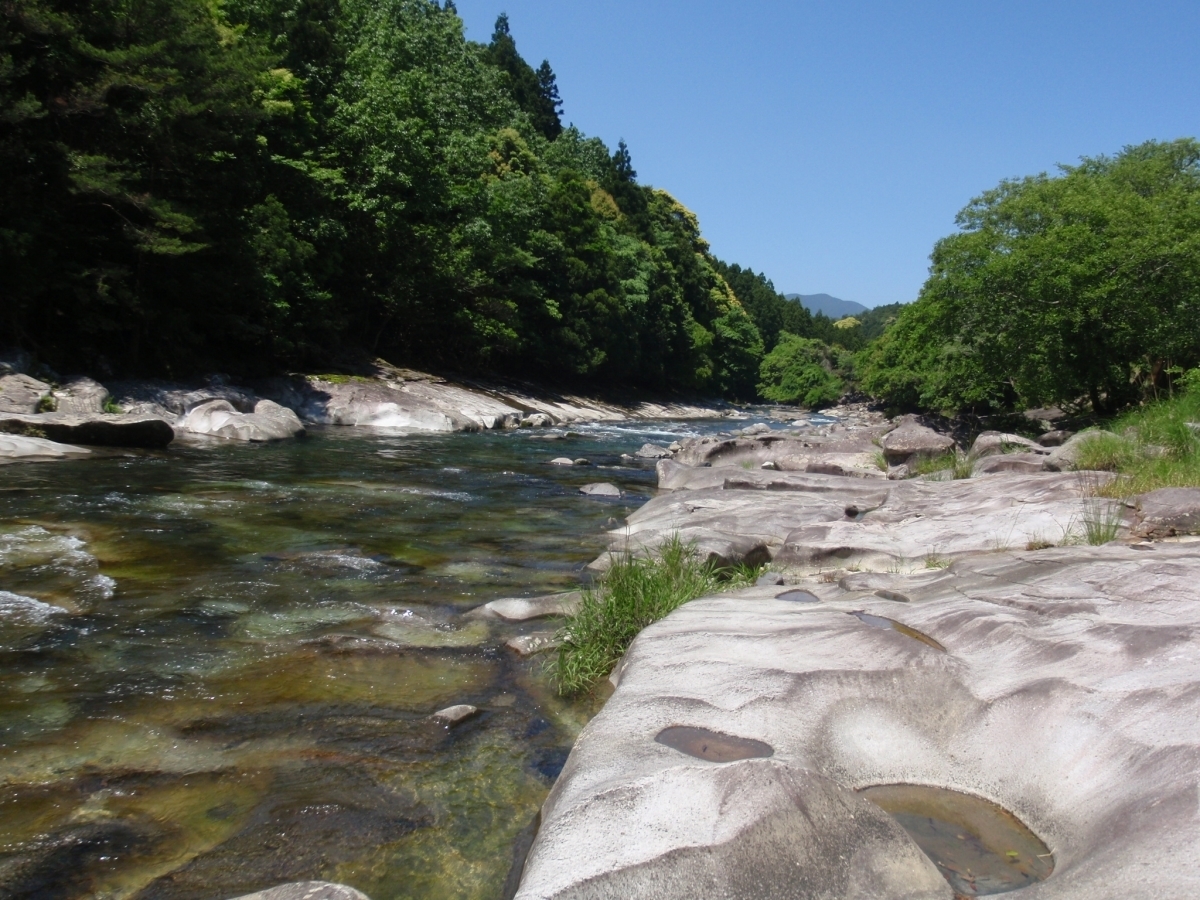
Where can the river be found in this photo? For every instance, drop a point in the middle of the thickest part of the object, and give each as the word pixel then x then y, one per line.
pixel 217 664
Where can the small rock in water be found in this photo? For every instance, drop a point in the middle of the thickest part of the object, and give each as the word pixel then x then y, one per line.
pixel 537 420
pixel 626 458
pixel 581 462
pixel 653 451
pixel 537 642
pixel 760 428
pixel 452 715
pixel 602 489
pixel 308 890
pixel 769 579
pixel 562 461
pixel 675 446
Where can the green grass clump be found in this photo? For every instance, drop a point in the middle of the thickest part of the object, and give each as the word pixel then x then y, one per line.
pixel 1149 448
pixel 636 591
pixel 955 465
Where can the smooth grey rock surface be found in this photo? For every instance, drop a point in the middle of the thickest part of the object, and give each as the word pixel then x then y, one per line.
pixel 1066 693
pixel 653 451
pixel 308 890
pixel 452 715
pixel 218 418
pixel 800 521
pixel 562 461
pixel 523 609
pixel 1065 458
pixel 991 443
pixel 21 394
pixel 1168 512
pixel 124 430
pixel 1054 438
pixel 1011 462
pixel 82 397
pixel 19 448
pixel 601 489
pixel 911 440
pixel 533 643
pixel 171 400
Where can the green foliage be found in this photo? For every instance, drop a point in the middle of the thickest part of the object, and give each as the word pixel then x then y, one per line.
pixel 269 183
pixel 1082 286
pixel 635 592
pixel 771 311
pixel 1152 447
pixel 800 370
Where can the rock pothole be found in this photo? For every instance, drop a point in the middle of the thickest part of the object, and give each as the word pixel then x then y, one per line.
pixel 980 848
pixel 712 745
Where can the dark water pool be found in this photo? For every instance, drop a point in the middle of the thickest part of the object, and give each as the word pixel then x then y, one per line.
pixel 217 665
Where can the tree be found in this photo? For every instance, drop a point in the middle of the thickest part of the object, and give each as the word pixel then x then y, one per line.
pixel 550 123
pixel 800 370
pixel 1080 286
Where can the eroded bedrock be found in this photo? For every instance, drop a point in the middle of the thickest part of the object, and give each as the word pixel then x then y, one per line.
pixel 811 522
pixel 1059 692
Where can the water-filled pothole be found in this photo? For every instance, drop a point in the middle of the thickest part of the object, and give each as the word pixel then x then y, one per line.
pixel 712 745
pixel 979 847
pixel 893 625
pixel 798 597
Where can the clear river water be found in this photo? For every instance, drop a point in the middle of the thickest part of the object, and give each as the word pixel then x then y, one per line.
pixel 217 664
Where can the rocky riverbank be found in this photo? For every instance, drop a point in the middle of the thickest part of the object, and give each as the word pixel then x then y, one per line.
pixel 42 420
pixel 1002 646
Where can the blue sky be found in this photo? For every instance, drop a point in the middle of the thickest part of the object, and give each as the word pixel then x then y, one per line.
pixel 830 144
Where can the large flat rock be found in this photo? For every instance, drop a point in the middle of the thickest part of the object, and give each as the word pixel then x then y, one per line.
pixel 1067 692
pixel 20 448
pixel 812 522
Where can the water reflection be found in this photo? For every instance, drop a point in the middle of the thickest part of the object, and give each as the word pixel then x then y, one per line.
pixel 217 665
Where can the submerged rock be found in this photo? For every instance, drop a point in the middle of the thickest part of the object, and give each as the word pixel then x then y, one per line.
pixel 602 489
pixel 523 609
pixel 452 715
pixel 308 890
pixel 536 642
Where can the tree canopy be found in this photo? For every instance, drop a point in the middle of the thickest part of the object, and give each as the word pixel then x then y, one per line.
pixel 1084 285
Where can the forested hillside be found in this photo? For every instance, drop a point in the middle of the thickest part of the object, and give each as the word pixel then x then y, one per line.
pixel 265 184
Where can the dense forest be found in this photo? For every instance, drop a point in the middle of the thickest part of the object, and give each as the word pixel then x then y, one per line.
pixel 266 184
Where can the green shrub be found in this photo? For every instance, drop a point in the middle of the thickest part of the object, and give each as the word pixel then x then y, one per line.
pixel 636 591
pixel 800 370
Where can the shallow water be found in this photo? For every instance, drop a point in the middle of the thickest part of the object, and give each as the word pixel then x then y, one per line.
pixel 979 847
pixel 217 664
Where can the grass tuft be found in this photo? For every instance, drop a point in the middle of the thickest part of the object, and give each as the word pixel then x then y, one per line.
pixel 1153 447
pixel 955 465
pixel 636 591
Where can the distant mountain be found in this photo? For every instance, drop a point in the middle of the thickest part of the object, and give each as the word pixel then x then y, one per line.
pixel 831 306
